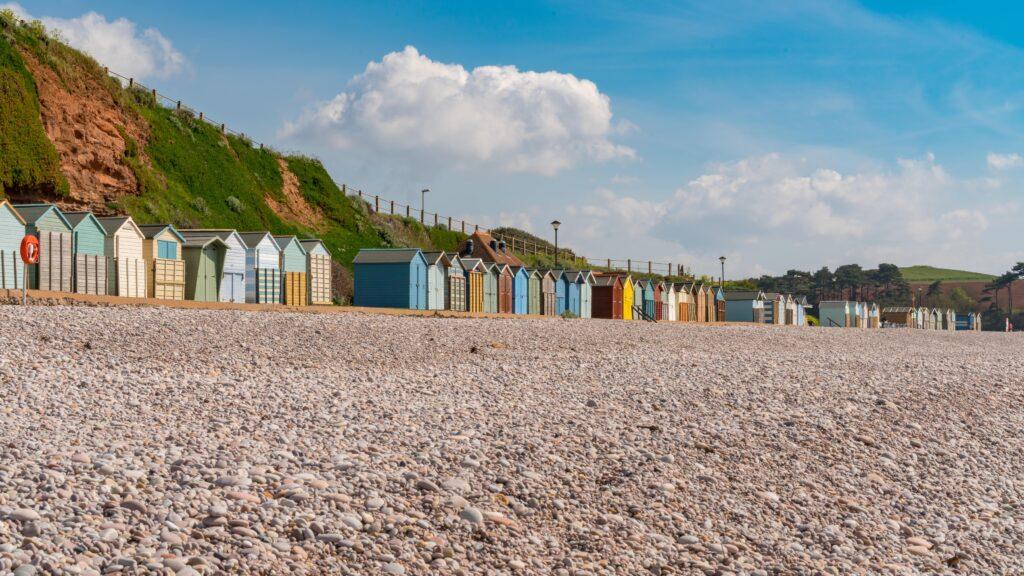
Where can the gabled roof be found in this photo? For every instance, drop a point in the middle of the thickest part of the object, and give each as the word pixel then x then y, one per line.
pixel 76 218
pixel 473 264
pixel 482 249
pixel 32 212
pixel 198 241
pixel 222 233
pixel 517 269
pixel 252 239
pixel 455 260
pixel 153 230
pixel 436 256
pixel 898 309
pixel 557 273
pixel 387 255
pixel 607 280
pixel 11 209
pixel 111 224
pixel 285 240
pixel 310 244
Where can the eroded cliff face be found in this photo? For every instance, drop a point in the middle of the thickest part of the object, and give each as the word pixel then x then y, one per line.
pixel 295 207
pixel 91 133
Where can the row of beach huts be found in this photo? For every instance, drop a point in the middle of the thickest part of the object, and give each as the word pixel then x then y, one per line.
pixel 86 254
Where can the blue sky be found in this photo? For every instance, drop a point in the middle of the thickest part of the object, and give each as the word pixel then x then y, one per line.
pixel 783 135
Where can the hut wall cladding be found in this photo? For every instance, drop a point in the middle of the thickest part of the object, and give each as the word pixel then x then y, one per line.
pixel 12 230
pixel 54 270
pixel 203 266
pixel 659 311
pixel 165 267
pixel 91 265
pixel 435 283
pixel 293 269
pixel 490 292
pixel 534 294
pixel 607 301
pixel 295 289
pixel 560 293
pixel 475 290
pixel 319 279
pixel 456 290
pixel 572 296
pixel 124 245
pixel 505 282
pixel 263 272
pixel 520 291
pixel 628 291
pixel 549 295
pixel 232 283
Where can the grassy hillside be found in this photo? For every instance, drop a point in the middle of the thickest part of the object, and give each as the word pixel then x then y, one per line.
pixel 932 274
pixel 188 172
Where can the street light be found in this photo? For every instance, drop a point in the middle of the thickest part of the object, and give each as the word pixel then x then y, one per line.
pixel 721 280
pixel 423 204
pixel 555 224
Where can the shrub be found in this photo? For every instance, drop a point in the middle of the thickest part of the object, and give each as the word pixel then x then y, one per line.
pixel 569 314
pixel 235 204
pixel 199 205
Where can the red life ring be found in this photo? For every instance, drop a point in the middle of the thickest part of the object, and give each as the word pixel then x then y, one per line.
pixel 30 249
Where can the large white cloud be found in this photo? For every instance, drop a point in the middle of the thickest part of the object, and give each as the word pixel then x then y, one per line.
pixel 1004 161
pixel 117 44
pixel 775 212
pixel 499 116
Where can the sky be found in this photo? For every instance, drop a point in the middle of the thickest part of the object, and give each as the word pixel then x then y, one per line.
pixel 782 135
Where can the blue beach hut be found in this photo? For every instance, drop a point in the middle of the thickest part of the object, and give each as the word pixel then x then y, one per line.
pixel 561 290
pixel 520 290
pixel 390 278
pixel 12 230
pixel 572 291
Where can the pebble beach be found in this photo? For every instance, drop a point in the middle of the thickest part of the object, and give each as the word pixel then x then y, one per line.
pixel 159 441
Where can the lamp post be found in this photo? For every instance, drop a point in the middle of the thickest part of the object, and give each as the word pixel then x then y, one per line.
pixel 721 279
pixel 555 224
pixel 423 205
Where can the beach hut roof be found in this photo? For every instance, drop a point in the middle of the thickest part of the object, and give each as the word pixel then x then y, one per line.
pixel 111 224
pixel 11 209
pixel 386 255
pixel 285 240
pixel 898 309
pixel 252 239
pixel 154 230
pixel 201 241
pixel 32 212
pixel 604 280
pixel 223 233
pixel 473 264
pixel 76 218
pixel 310 244
pixel 436 256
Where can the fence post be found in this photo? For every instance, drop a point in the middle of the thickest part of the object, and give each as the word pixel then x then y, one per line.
pixel 223 128
pixel 449 223
pixel 376 203
pixel 131 82
pixel 407 212
pixel 154 93
pixel 201 115
pixel 609 264
pixel 179 104
pixel 669 268
pixel 344 190
pixel 360 194
pixel 476 227
pixel 629 265
pixel 392 207
pixel 435 219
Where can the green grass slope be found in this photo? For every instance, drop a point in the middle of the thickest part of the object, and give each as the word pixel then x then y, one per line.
pixel 932 274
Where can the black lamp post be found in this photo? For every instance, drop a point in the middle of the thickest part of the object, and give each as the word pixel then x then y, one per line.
pixel 555 224
pixel 721 280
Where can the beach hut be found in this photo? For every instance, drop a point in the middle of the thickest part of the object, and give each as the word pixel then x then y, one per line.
pixel 456 293
pixel 874 316
pixel 897 317
pixel 534 293
pixel 745 306
pixel 672 301
pixel 12 230
pixel 700 300
pixel 922 316
pixel 549 293
pixel 262 268
pixel 89 253
pixel 586 282
pixel 491 272
pixel 949 320
pixel 774 308
pixel 437 279
pixel 572 292
pixel 790 306
pixel 124 244
pixel 204 257
pixel 55 268
pixel 802 305
pixel 720 303
pixel 520 289
pixel 390 278
pixel 628 294
pixel 658 303
pixel 606 297
pixel 165 261
pixel 318 272
pixel 293 271
pixel 232 277
pixel 506 287
pixel 643 297
pixel 560 290
pixel 835 314
pixel 936 319
pixel 475 271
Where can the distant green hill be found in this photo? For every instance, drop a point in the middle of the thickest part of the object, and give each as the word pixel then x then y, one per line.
pixel 931 274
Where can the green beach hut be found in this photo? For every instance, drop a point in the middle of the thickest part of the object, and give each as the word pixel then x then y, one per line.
pixel 54 270
pixel 293 270
pixel 204 264
pixel 88 247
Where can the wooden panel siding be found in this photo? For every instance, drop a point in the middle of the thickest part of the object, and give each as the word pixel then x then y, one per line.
pixel 533 305
pixel 295 293
pixel 12 230
pixel 91 274
pixel 318 269
pixel 293 259
pixel 505 283
pixel 168 279
pixel 390 278
pixel 54 270
pixel 262 268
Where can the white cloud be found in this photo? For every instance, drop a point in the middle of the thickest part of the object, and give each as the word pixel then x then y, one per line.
pixel 775 212
pixel 517 121
pixel 1004 161
pixel 117 44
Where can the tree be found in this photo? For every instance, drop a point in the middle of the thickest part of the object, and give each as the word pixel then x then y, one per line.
pixel 961 301
pixel 823 282
pixel 850 276
pixel 934 289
